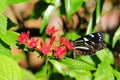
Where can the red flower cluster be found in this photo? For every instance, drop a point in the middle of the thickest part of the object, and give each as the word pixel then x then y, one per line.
pixel 23 37
pixel 66 42
pixel 32 43
pixel 51 30
pixel 58 51
pixel 45 48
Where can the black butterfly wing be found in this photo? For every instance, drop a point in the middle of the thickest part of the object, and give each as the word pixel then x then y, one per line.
pixel 89 44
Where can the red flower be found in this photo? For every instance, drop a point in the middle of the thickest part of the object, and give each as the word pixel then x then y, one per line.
pixel 23 37
pixel 45 48
pixel 62 40
pixel 66 43
pixel 32 43
pixel 59 52
pixel 69 46
pixel 52 39
pixel 51 30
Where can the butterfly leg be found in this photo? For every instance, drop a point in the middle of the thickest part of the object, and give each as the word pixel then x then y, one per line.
pixel 74 54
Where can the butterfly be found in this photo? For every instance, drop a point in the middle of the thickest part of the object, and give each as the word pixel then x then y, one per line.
pixel 89 44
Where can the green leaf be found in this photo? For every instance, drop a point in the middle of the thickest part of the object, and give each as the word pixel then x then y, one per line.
pixel 107 39
pixel 46 17
pixel 50 1
pixel 105 54
pixel 27 75
pixel 66 69
pixel 72 35
pixel 104 71
pixel 48 13
pixel 90 26
pixel 41 74
pixel 10 38
pixel 9 70
pixel 87 59
pixel 71 6
pixel 116 73
pixel 3 6
pixel 4 49
pixel 95 17
pixel 98 10
pixel 116 37
pixel 75 64
pixel 16 1
pixel 80 74
pixel 62 68
pixel 3 24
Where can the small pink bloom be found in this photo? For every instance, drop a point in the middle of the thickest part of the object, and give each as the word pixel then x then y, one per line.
pixel 62 40
pixel 23 37
pixel 59 52
pixel 52 39
pixel 45 48
pixel 66 43
pixel 51 30
pixel 32 43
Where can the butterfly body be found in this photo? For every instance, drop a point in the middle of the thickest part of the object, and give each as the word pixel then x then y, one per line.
pixel 89 44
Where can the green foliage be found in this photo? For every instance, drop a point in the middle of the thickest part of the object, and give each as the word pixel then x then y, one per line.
pixel 27 75
pixel 9 70
pixel 104 71
pixel 81 74
pixel 71 6
pixel 90 26
pixel 2 6
pixel 95 17
pixel 3 19
pixel 107 39
pixel 95 67
pixel 10 38
pixel 16 1
pixel 105 54
pixel 48 12
pixel 116 37
pixel 4 49
pixel 50 1
pixel 116 74
pixel 98 10
pixel 3 24
pixel 75 64
pixel 87 59
pixel 74 68
pixel 72 35
pixel 42 73
pixel 81 69
pixel 46 17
